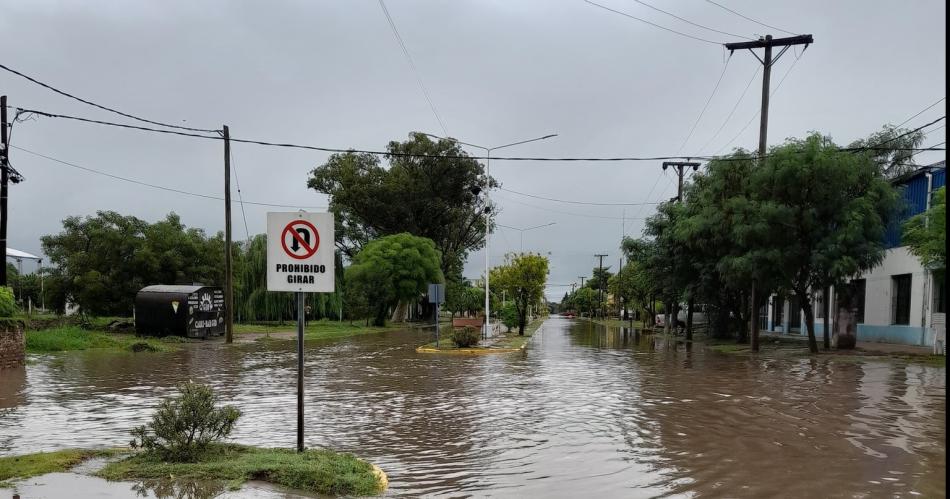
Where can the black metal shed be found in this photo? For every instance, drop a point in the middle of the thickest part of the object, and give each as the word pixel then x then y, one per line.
pixel 192 311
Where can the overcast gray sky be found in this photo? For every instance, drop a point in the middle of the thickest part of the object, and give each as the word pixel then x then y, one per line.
pixel 332 74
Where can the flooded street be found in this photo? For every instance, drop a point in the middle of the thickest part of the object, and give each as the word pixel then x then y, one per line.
pixel 586 412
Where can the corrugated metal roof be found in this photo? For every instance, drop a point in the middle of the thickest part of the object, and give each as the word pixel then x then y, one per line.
pixel 914 196
pixel 171 288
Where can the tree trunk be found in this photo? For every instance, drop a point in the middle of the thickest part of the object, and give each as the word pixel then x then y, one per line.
pixel 521 322
pixel 825 312
pixel 845 326
pixel 809 322
pixel 689 319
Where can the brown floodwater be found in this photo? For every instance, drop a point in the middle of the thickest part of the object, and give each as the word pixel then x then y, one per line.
pixel 587 411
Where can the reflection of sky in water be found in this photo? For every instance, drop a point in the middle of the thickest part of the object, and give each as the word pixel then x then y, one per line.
pixel 586 412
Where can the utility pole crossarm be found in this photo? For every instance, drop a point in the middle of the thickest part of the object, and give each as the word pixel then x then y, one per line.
pixel 774 42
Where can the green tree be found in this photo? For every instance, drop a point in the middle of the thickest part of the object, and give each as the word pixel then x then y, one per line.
pixel 891 149
pixel 824 213
pixel 432 194
pixel 926 234
pixel 393 269
pixel 101 262
pixel 522 278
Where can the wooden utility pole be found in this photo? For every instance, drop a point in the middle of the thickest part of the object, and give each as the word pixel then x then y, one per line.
pixel 601 284
pixel 674 307
pixel 228 269
pixel 4 165
pixel 767 61
pixel 679 165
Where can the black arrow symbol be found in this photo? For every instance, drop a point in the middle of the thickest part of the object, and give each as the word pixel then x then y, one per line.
pixel 305 234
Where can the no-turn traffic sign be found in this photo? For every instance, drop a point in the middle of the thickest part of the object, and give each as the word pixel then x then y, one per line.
pixel 300 239
pixel 296 259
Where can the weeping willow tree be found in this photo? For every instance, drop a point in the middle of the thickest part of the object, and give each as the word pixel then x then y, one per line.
pixel 254 303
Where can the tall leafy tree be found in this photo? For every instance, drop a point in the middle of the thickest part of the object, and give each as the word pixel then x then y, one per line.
pixel 891 149
pixel 522 278
pixel 393 269
pixel 827 211
pixel 926 234
pixel 431 189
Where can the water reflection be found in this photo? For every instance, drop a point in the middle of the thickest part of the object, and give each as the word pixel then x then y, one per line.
pixel 588 411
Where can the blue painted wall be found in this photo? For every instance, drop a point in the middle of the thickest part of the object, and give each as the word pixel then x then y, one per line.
pixel 913 201
pixel 903 335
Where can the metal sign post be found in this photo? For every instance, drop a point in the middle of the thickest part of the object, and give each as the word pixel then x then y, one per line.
pixel 300 259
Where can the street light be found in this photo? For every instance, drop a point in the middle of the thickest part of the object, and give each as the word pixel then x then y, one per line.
pixel 527 229
pixel 488 151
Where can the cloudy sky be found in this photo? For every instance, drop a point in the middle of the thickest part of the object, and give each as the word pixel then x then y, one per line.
pixel 332 74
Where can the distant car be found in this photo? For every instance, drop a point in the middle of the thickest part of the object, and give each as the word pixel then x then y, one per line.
pixel 569 315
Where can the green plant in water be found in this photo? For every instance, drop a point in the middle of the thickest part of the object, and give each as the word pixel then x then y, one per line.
pixel 466 337
pixel 184 426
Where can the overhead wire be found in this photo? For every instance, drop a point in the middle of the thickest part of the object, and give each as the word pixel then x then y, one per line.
pixel 687 21
pixel 757 113
pixel 154 186
pixel 652 23
pixel 750 19
pixel 412 65
pixel 376 152
pixel 552 210
pixel 100 106
pixel 240 196
pixel 922 111
pixel 732 112
pixel 699 118
pixel 568 201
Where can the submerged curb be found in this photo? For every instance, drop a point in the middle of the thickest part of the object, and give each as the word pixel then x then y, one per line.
pixel 469 351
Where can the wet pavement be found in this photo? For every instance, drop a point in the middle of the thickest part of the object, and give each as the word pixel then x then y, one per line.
pixel 587 411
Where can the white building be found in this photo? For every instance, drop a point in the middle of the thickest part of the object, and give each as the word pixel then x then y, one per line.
pixel 901 301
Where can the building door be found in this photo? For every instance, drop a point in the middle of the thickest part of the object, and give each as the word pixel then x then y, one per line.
pixel 794 314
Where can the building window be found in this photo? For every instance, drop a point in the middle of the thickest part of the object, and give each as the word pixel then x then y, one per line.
pixel 940 298
pixel 900 301
pixel 859 288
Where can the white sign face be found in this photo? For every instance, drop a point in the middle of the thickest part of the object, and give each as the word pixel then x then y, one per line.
pixel 300 249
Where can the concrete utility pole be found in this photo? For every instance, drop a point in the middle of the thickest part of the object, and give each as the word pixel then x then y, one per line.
pixel 674 307
pixel 601 284
pixel 767 61
pixel 228 270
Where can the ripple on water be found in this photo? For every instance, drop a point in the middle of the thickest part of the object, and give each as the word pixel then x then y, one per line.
pixel 586 412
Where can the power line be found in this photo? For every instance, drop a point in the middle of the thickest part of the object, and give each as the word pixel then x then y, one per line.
pixel 706 105
pixel 155 186
pixel 729 117
pixel 652 24
pixel 750 19
pixel 756 115
pixel 582 215
pixel 379 153
pixel 687 21
pixel 237 183
pixel 921 112
pixel 111 110
pixel 568 201
pixel 412 65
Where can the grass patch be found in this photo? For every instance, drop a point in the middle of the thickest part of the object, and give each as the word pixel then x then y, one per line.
pixel 41 463
pixel 320 471
pixel 315 329
pixel 507 340
pixel 71 338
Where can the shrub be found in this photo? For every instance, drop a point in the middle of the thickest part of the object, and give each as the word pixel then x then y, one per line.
pixel 7 303
pixel 466 337
pixel 509 316
pixel 184 426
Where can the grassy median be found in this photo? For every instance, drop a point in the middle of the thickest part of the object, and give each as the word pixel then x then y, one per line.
pixel 321 471
pixel 41 463
pixel 70 338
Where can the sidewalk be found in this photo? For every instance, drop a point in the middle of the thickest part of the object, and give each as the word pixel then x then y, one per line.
pixel 865 346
